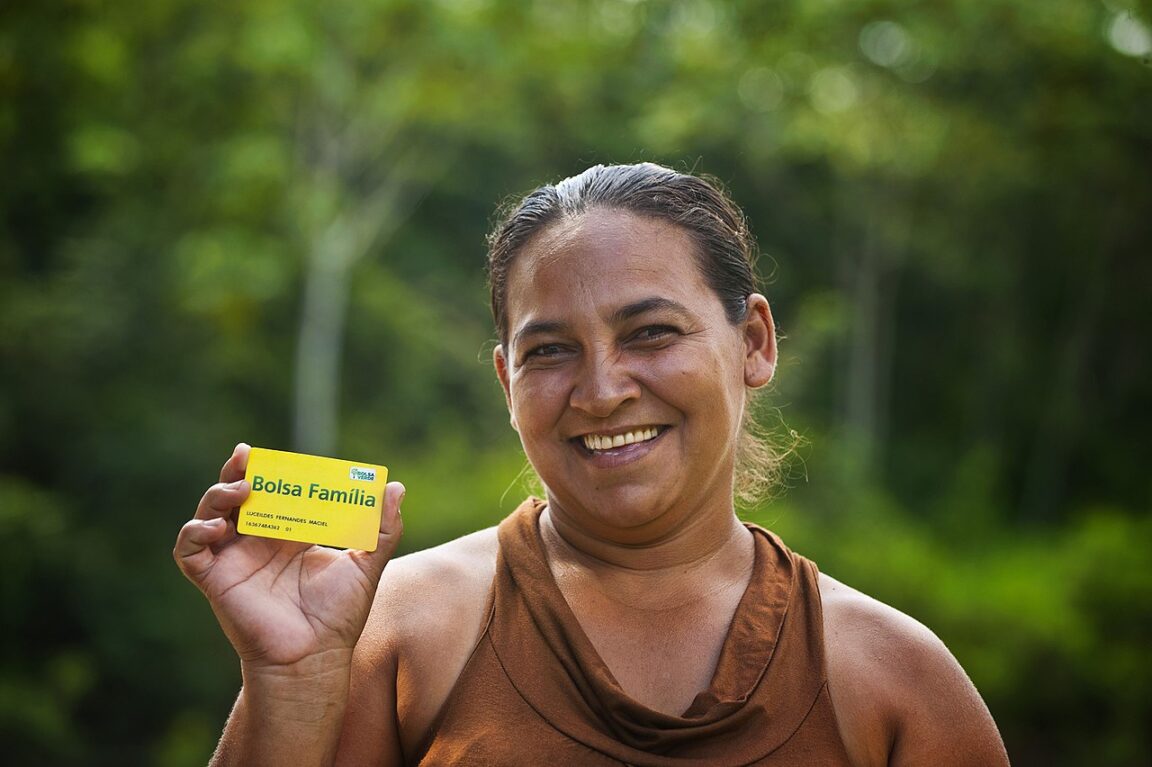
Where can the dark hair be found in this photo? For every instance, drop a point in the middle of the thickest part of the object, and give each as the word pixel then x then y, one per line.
pixel 726 255
pixel 726 250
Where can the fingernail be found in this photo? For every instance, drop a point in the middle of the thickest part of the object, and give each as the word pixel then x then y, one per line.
pixel 214 522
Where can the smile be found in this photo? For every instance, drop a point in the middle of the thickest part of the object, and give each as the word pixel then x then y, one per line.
pixel 610 441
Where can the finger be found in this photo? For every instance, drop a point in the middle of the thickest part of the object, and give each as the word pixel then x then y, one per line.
pixel 391 528
pixel 193 550
pixel 221 498
pixel 237 464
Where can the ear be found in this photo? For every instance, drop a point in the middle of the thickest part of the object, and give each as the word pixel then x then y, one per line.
pixel 759 343
pixel 500 362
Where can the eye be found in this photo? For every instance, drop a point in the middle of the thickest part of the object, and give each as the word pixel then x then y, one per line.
pixel 544 353
pixel 655 334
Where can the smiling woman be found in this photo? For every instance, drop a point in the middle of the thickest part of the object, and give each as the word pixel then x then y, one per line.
pixel 614 330
pixel 724 250
pixel 629 616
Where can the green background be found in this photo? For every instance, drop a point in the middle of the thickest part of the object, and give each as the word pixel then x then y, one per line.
pixel 952 199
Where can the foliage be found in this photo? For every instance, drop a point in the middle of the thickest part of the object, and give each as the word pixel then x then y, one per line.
pixel 264 221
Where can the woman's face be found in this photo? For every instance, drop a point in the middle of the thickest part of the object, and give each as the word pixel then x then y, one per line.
pixel 623 376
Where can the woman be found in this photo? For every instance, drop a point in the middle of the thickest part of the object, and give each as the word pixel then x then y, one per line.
pixel 627 618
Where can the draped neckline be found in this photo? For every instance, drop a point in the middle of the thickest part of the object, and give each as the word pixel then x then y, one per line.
pixel 757 696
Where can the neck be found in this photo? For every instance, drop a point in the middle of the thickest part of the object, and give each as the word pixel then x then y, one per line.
pixel 684 565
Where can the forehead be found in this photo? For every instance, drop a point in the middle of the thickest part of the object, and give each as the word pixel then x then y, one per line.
pixel 608 254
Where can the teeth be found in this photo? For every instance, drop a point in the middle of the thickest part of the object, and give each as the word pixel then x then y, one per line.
pixel 605 442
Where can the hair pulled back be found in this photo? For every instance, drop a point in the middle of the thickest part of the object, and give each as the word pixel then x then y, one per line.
pixel 726 252
pixel 726 255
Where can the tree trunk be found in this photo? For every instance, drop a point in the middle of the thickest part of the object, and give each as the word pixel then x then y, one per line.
pixel 872 265
pixel 363 223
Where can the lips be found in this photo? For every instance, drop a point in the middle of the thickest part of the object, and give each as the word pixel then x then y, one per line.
pixel 600 442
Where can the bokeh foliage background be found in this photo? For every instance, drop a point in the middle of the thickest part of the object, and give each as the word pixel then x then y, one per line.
pixel 264 220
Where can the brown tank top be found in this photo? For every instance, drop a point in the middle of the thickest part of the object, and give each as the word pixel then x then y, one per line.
pixel 534 690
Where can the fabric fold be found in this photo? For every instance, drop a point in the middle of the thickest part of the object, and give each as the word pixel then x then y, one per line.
pixel 557 696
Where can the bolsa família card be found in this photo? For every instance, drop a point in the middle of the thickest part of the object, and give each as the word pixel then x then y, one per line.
pixel 311 499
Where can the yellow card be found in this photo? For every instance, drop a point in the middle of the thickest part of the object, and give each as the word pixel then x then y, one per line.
pixel 307 498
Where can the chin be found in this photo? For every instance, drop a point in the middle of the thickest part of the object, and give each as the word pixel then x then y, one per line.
pixel 627 512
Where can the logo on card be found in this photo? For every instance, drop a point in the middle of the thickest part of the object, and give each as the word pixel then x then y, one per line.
pixel 364 475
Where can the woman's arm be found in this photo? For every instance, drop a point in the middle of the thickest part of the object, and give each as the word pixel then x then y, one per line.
pixel 287 716
pixel 901 698
pixel 293 612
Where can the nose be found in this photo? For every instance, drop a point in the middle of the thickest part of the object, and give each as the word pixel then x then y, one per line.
pixel 603 384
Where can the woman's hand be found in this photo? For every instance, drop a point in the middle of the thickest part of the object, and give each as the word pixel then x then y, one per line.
pixel 284 605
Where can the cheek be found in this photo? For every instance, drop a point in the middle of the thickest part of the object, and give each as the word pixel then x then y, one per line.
pixel 711 383
pixel 704 368
pixel 537 396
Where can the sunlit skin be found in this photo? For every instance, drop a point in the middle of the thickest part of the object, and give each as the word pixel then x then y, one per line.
pixel 613 330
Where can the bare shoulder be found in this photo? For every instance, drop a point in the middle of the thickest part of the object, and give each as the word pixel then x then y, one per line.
pixel 427 615
pixel 428 588
pixel 901 698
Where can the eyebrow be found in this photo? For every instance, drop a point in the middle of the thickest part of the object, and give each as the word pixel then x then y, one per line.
pixel 647 305
pixel 542 327
pixel 623 314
